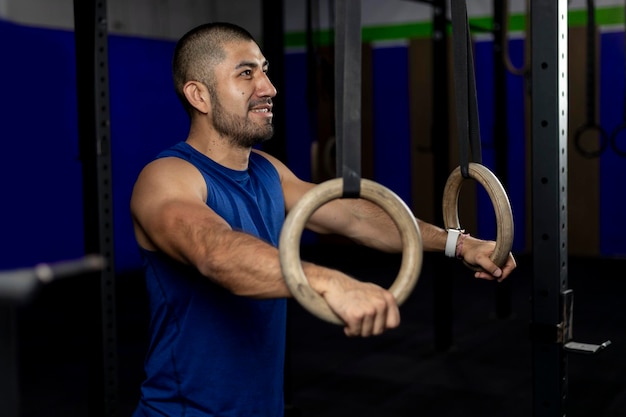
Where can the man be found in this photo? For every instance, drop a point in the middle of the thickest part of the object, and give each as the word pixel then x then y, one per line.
pixel 207 216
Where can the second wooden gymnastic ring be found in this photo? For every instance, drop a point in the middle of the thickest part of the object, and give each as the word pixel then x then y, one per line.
pixel 291 234
pixel 501 205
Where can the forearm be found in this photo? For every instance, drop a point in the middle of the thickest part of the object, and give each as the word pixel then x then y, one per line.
pixel 371 226
pixel 384 235
pixel 250 267
pixel 433 237
pixel 243 264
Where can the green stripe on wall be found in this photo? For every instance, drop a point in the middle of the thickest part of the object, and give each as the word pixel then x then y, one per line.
pixel 517 23
pixel 604 16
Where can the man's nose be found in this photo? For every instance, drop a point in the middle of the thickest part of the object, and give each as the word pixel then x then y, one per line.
pixel 266 88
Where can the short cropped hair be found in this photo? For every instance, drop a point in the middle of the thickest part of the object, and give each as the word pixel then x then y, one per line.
pixel 199 50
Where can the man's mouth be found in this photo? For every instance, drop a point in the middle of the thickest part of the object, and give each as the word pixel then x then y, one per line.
pixel 262 106
pixel 264 110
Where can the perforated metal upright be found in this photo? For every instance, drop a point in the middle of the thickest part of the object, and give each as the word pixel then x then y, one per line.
pixel 92 77
pixel 273 36
pixel 443 306
pixel 9 393
pixel 503 308
pixel 549 24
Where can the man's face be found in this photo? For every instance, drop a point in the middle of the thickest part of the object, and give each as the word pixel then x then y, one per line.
pixel 241 99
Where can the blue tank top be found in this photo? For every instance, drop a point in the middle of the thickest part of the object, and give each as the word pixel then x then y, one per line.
pixel 212 353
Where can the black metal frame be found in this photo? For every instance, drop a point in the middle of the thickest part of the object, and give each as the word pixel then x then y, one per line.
pixel 92 77
pixel 273 48
pixel 443 306
pixel 503 294
pixel 549 196
pixel 9 392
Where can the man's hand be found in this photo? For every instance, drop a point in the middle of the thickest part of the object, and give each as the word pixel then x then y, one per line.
pixel 366 308
pixel 477 252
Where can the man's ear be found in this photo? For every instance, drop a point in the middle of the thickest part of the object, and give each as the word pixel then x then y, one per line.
pixel 198 96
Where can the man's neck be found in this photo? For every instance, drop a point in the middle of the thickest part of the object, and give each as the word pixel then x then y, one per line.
pixel 220 150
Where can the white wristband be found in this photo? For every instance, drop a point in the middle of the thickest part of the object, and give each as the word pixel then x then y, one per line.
pixel 453 237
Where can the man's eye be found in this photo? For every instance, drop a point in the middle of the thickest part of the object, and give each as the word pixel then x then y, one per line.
pixel 247 73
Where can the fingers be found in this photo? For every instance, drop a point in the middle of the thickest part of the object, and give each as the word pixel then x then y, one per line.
pixel 491 271
pixel 478 252
pixel 373 315
pixel 509 266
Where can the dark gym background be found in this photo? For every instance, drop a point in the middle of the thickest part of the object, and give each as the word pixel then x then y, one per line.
pixel 485 371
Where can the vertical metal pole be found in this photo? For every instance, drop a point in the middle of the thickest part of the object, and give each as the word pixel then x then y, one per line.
pixel 500 134
pixel 91 35
pixel 9 392
pixel 273 48
pixel 442 284
pixel 549 200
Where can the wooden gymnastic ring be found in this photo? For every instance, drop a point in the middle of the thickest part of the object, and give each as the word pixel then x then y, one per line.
pixel 499 199
pixel 291 234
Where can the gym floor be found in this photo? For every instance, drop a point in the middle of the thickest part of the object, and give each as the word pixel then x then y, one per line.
pixel 486 371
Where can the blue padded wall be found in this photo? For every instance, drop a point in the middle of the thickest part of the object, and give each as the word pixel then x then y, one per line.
pixel 516 136
pixel 41 210
pixel 392 130
pixel 612 166
pixel 146 117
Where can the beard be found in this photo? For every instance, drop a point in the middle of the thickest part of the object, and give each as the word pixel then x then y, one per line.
pixel 241 131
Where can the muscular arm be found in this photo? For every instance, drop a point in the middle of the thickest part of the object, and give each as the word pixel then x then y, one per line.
pixel 358 219
pixel 170 214
pixel 367 224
